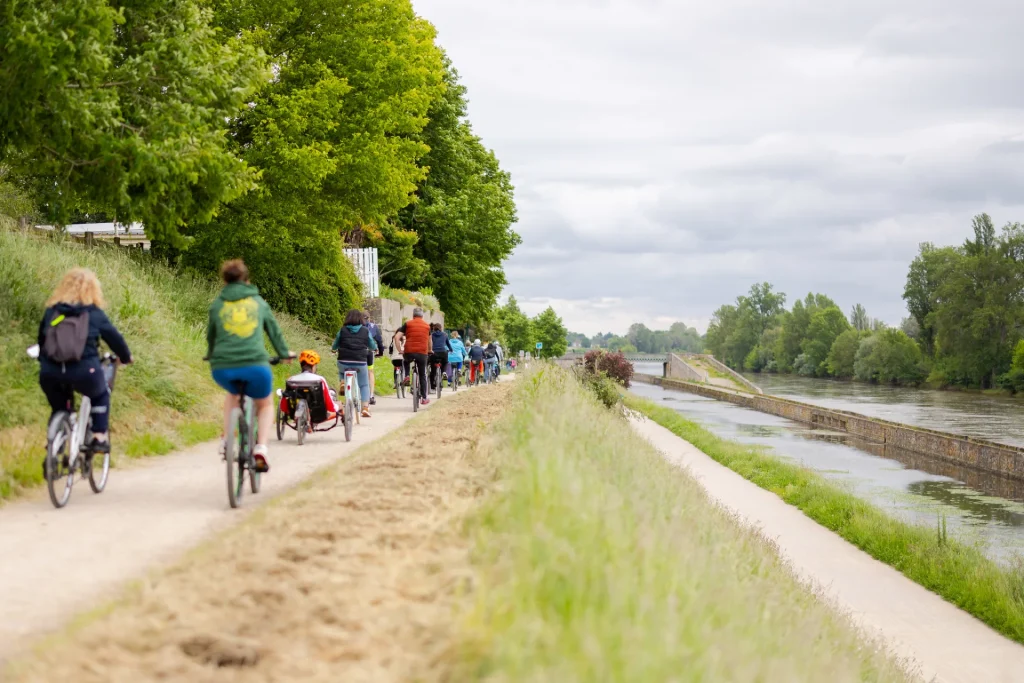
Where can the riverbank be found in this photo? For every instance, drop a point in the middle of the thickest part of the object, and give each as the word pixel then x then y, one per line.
pixel 512 532
pixel 960 573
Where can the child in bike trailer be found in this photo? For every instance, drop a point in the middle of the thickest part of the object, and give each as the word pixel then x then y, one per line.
pixel 476 360
pixel 308 360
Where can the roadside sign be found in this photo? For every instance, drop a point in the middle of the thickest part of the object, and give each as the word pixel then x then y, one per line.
pixel 540 345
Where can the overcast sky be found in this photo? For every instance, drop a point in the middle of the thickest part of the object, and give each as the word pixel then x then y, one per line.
pixel 667 155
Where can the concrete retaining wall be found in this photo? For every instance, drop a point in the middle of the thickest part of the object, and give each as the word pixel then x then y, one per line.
pixel 724 369
pixel 980 454
pixel 678 369
pixel 390 315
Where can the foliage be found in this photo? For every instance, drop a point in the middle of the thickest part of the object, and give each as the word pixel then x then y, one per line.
pixel 825 326
pixel 601 386
pixel 463 213
pixel 843 354
pixel 613 364
pixel 1014 379
pixel 548 329
pixel 517 328
pixel 122 106
pixel 425 300
pixel 960 573
pixel 889 357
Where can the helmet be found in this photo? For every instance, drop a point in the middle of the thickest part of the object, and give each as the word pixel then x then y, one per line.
pixel 309 357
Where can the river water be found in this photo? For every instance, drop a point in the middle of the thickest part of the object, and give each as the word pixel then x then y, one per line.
pixel 978 508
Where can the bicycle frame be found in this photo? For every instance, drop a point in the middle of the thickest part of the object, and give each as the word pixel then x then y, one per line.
pixel 352 392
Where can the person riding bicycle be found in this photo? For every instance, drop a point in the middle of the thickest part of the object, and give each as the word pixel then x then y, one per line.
pixel 500 358
pixel 73 324
pixel 476 360
pixel 439 342
pixel 490 361
pixel 308 360
pixel 415 336
pixel 355 346
pixel 234 337
pixel 378 337
pixel 395 353
pixel 456 356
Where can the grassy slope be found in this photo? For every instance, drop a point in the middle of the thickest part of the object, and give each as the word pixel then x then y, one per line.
pixel 959 573
pixel 166 400
pixel 597 560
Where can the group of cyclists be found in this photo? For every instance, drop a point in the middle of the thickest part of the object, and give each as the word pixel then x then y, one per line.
pixel 74 323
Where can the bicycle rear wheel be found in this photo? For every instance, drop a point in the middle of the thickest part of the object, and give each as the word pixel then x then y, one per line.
pixel 415 384
pixel 440 370
pixel 301 420
pixel 59 475
pixel 350 417
pixel 279 422
pixel 234 455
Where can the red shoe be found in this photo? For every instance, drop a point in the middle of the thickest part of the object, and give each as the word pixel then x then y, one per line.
pixel 424 401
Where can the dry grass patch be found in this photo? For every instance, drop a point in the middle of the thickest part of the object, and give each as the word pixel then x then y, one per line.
pixel 353 577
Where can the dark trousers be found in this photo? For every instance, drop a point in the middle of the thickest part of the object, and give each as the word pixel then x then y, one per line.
pixel 420 359
pixel 87 380
pixel 435 360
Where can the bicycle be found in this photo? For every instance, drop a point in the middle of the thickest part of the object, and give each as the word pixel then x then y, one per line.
pixel 415 385
pixel 438 376
pixel 353 403
pixel 65 442
pixel 400 382
pixel 456 374
pixel 238 447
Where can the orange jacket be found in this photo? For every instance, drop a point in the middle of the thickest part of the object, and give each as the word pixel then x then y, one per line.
pixel 417 335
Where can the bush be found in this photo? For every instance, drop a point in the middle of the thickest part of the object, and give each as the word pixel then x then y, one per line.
pixel 614 365
pixel 1014 379
pixel 605 389
pixel 890 357
pixel 843 354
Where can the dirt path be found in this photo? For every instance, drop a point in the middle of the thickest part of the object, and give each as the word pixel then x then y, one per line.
pixel 57 563
pixel 947 643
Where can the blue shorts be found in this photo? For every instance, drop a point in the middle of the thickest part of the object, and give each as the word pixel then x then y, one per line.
pixel 258 378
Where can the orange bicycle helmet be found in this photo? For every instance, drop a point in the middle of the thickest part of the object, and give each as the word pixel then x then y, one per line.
pixel 309 357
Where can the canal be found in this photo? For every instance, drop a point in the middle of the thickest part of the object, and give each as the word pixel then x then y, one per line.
pixel 978 508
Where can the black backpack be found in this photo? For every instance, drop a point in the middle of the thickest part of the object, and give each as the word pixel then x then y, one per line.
pixel 65 337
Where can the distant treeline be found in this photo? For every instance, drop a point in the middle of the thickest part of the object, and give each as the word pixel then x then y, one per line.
pixel 678 337
pixel 966 323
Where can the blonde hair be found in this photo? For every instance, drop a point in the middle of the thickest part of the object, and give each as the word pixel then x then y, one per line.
pixel 78 286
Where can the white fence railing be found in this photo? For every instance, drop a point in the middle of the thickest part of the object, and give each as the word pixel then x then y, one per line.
pixel 365 262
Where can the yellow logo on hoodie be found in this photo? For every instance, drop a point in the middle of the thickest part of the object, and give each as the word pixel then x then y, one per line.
pixel 240 318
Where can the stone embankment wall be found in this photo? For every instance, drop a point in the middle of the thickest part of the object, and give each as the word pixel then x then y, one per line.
pixel 676 368
pixel 390 315
pixel 980 454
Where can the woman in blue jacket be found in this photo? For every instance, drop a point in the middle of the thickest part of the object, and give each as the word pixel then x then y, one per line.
pixel 456 356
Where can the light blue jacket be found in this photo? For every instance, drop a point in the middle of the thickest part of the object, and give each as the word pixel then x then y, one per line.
pixel 458 353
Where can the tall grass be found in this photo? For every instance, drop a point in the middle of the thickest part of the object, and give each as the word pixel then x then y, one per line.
pixel 161 313
pixel 598 561
pixel 960 573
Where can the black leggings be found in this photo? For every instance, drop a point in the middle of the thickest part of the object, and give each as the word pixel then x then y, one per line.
pixel 420 359
pixel 88 381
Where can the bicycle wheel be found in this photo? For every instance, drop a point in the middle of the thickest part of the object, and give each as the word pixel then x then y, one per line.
pixel 398 385
pixel 255 478
pixel 59 475
pixel 415 384
pixel 98 465
pixel 350 417
pixel 301 420
pixel 234 455
pixel 439 370
pixel 279 422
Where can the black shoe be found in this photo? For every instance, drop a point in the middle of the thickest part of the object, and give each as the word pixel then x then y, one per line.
pixel 373 400
pixel 97 446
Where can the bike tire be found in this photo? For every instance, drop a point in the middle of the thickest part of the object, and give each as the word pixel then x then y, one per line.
pixel 398 385
pixel 301 420
pixel 98 480
pixel 234 452
pixel 350 417
pixel 440 381
pixel 414 383
pixel 279 422
pixel 255 478
pixel 58 445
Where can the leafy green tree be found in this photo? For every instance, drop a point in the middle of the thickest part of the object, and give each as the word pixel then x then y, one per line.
pixel 721 327
pixel 549 330
pixel 826 325
pixel 795 324
pixel 889 357
pixel 843 354
pixel 859 318
pixel 518 329
pixel 123 106
pixel 766 306
pixel 464 211
pixel 921 290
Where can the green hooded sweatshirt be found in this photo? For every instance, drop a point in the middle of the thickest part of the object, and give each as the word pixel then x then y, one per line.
pixel 234 332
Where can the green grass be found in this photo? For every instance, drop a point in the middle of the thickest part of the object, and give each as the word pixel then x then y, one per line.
pixel 598 561
pixel 958 572
pixel 161 312
pixel 148 444
pixel 197 431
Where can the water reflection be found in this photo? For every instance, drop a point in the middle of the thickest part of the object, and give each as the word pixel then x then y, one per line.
pixel 978 506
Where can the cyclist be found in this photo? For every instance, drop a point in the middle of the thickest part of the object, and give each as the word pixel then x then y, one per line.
pixel 234 338
pixel 379 338
pixel 456 356
pixel 439 343
pixel 500 357
pixel 415 336
pixel 308 360
pixel 476 360
pixel 396 355
pixel 355 347
pixel 490 361
pixel 74 313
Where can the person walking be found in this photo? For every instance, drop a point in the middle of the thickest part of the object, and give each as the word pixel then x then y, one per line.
pixel 378 337
pixel 415 337
pixel 355 347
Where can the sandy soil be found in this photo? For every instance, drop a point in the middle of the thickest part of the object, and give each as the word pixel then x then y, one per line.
pixel 948 644
pixel 57 563
pixel 353 576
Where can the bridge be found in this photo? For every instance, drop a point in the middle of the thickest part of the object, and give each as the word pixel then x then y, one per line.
pixel 631 357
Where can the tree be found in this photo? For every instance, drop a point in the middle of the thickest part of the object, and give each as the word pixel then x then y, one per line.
pixel 843 354
pixel 549 330
pixel 889 357
pixel 825 327
pixel 859 318
pixel 766 305
pixel 463 213
pixel 518 329
pixel 794 329
pixel 921 290
pixel 122 106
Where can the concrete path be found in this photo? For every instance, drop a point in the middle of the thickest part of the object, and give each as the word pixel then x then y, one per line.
pixel 948 644
pixel 57 563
